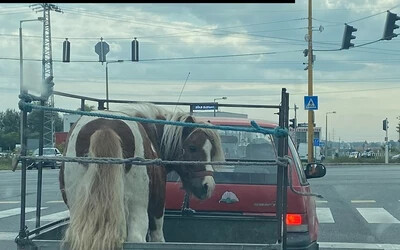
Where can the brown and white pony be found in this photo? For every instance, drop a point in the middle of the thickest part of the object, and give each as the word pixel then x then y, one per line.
pixel 113 203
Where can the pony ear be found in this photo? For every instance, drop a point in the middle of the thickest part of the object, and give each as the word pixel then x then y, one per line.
pixel 187 130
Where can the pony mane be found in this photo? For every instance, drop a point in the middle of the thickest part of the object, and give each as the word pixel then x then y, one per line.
pixel 171 142
pixel 147 110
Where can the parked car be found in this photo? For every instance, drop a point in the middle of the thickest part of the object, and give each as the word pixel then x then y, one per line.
pixel 48 152
pixel 367 154
pixel 354 154
pixel 396 157
pixel 251 190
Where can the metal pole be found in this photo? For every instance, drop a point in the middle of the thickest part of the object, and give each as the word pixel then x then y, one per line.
pixel 40 174
pixel 310 85
pixel 386 145
pixel 107 85
pixel 326 136
pixel 24 116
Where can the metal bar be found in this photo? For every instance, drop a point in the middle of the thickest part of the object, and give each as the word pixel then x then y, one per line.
pixel 279 198
pixel 22 232
pixel 82 104
pixel 40 169
pixel 75 96
pixel 162 103
pixel 285 105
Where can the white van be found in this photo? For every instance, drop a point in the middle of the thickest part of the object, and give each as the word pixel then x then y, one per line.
pixel 303 152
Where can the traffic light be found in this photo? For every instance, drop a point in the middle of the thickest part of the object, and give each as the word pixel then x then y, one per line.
pixel 66 50
pixel 385 124
pixel 390 26
pixel 347 36
pixel 293 123
pixel 135 50
pixel 305 52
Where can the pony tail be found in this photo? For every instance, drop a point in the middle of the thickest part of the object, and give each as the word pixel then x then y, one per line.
pixel 98 220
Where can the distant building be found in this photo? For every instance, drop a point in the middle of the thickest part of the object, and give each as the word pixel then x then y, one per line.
pixel 69 120
pixel 300 134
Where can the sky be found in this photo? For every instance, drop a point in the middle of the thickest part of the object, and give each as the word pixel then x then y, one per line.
pixel 201 52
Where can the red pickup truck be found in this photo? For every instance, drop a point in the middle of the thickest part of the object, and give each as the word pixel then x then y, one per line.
pixel 251 190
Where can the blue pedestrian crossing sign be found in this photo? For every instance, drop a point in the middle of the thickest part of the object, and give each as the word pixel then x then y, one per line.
pixel 316 142
pixel 311 102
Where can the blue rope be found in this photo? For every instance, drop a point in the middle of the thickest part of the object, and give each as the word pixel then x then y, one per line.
pixel 255 127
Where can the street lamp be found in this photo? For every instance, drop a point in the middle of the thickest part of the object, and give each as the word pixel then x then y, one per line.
pixel 117 61
pixel 21 65
pixel 221 98
pixel 23 139
pixel 326 132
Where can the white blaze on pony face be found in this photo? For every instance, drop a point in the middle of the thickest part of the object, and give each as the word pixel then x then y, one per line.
pixel 209 180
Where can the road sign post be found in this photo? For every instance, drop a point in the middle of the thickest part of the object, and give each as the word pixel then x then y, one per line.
pixel 102 48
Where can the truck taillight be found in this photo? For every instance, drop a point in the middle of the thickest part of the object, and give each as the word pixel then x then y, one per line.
pixel 293 219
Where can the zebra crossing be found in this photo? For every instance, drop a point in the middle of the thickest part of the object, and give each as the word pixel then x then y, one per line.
pixel 372 214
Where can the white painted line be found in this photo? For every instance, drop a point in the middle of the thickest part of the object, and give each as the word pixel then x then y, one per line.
pixel 9 202
pixel 53 217
pixel 345 245
pixel 377 215
pixel 54 201
pixel 363 201
pixel 317 201
pixel 8 235
pixel 16 211
pixel 324 215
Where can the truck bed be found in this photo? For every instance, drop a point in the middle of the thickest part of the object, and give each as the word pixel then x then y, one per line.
pixel 199 231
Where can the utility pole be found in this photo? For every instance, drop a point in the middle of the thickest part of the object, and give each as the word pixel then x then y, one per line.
pixel 310 85
pixel 47 70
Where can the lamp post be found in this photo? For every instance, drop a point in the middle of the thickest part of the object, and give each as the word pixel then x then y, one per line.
pixel 21 65
pixel 117 61
pixel 326 132
pixel 23 139
pixel 222 98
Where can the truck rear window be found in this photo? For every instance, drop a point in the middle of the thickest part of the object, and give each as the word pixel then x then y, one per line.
pixel 244 146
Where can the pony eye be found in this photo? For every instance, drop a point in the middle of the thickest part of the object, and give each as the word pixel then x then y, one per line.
pixel 192 149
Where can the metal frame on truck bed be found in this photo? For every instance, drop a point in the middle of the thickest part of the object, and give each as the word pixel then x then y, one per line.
pixel 234 232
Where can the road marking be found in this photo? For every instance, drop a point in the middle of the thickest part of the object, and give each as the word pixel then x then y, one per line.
pixel 377 215
pixel 16 211
pixel 9 202
pixel 317 201
pixel 363 201
pixel 345 245
pixel 324 215
pixel 8 235
pixel 53 217
pixel 54 201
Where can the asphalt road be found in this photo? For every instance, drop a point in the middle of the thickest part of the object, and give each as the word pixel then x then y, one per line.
pixel 360 209
pixel 361 205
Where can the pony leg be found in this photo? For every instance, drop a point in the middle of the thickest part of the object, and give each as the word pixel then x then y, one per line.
pixel 157 235
pixel 137 199
pixel 137 225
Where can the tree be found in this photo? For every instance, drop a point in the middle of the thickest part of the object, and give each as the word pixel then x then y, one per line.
pixel 9 121
pixel 88 108
pixel 9 129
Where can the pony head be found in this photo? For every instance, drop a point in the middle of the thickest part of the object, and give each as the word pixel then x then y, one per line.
pixel 193 144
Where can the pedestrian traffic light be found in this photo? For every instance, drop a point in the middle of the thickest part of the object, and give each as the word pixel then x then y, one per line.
pixel 293 123
pixel 390 26
pixel 385 124
pixel 347 36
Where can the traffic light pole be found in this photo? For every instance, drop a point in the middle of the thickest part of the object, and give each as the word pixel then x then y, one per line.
pixel 386 144
pixel 310 85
